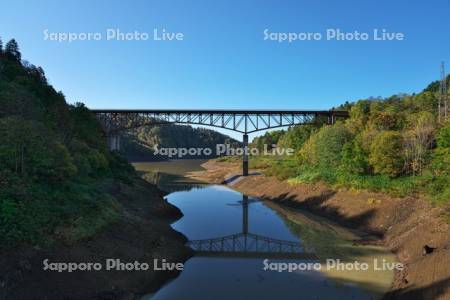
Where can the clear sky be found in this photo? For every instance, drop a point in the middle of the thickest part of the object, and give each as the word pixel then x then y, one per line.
pixel 223 60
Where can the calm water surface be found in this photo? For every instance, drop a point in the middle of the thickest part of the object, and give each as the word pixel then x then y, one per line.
pixel 212 212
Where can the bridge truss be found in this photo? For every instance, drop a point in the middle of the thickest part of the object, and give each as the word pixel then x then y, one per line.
pixel 243 121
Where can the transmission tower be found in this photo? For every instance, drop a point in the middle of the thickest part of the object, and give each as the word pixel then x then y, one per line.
pixel 443 103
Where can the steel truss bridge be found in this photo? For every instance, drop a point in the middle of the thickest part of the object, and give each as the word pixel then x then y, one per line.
pixel 243 121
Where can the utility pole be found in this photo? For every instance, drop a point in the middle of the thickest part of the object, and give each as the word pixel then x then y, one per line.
pixel 443 103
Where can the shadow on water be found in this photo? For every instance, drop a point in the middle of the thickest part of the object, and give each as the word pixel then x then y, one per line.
pixel 170 176
pixel 330 240
pixel 324 237
pixel 316 204
pixel 170 183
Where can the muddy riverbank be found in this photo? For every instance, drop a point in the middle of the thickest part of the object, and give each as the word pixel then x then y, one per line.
pixel 142 233
pixel 410 227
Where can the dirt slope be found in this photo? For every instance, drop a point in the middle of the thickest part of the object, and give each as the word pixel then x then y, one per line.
pixel 142 233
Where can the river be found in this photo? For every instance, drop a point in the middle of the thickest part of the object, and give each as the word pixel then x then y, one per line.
pixel 241 239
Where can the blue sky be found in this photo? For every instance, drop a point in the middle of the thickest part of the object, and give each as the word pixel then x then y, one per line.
pixel 224 61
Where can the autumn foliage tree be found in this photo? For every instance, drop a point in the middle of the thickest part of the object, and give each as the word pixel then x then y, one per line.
pixel 386 153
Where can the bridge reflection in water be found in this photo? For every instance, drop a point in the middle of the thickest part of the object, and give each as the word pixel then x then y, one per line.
pixel 246 244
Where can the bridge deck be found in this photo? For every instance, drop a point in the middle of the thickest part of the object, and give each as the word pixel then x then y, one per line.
pixel 224 111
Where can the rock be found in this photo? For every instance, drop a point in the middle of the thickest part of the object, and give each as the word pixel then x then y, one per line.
pixel 428 249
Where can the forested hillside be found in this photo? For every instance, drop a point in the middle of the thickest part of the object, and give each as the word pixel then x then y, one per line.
pixel 394 145
pixel 138 144
pixel 54 163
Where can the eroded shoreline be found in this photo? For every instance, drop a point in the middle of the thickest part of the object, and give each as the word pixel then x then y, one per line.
pixel 142 233
pixel 410 227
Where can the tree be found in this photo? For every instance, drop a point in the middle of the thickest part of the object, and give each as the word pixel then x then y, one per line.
pixel 267 140
pixel 28 149
pixel 296 136
pixel 418 141
pixel 12 50
pixel 1 46
pixel 443 138
pixel 354 157
pixel 386 153
pixel 384 120
pixel 441 159
pixel 41 186
pixel 359 115
pixel 324 149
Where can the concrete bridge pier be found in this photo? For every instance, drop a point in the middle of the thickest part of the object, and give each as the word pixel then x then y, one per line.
pixel 113 141
pixel 244 214
pixel 245 156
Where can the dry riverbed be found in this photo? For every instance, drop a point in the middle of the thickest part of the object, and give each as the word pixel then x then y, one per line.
pixel 410 227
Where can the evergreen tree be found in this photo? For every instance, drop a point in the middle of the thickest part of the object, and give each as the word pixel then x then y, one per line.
pixel 12 50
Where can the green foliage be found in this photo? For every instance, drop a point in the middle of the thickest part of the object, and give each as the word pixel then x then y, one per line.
pixel 296 136
pixel 384 115
pixel 418 140
pixel 354 157
pixel 85 127
pixel 12 50
pixel 260 161
pixel 283 169
pixel 441 161
pixel 29 149
pixel 399 186
pixel 386 155
pixel 53 157
pixel 324 149
pixel 86 225
pixel 439 185
pixel 267 141
pixel 393 145
pixel 120 168
pixel 435 85
pixel 443 137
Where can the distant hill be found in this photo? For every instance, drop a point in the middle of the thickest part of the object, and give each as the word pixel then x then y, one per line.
pixel 138 144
